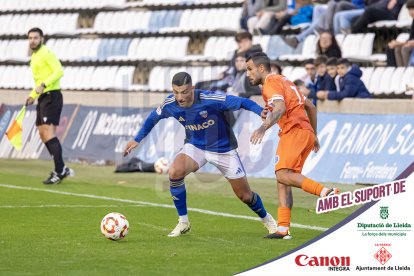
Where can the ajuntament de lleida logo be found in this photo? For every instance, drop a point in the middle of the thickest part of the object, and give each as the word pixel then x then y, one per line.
pixel 384 212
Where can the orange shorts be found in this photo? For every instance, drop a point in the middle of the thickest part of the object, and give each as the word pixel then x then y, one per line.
pixel 293 149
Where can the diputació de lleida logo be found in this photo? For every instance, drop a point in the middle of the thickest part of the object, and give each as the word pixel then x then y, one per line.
pixel 384 212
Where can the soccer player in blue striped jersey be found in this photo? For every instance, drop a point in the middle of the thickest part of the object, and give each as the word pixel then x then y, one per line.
pixel 209 138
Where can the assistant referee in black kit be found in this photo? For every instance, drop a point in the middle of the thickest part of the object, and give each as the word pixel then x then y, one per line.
pixel 47 71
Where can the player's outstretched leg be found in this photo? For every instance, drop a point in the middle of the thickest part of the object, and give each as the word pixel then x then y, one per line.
pixel 313 187
pixel 287 178
pixel 291 178
pixel 242 189
pixel 181 166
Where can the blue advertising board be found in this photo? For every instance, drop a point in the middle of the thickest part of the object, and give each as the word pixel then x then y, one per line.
pixel 362 148
pixel 354 148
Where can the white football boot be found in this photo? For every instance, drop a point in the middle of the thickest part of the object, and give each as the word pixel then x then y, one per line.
pixel 180 229
pixel 270 224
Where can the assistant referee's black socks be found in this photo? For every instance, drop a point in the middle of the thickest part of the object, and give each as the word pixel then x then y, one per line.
pixel 55 149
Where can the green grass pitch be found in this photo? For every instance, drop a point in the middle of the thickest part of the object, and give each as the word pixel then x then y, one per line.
pixel 45 233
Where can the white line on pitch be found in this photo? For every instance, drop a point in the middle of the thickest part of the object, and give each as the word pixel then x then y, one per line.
pixel 66 206
pixel 210 239
pixel 208 212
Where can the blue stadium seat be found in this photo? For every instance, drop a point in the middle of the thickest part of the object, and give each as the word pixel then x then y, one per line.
pixel 177 18
pixel 168 20
pixel 116 47
pixel 111 47
pixel 155 21
pixel 102 49
pixel 125 46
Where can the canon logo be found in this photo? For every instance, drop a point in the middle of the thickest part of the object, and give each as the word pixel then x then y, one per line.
pixel 303 260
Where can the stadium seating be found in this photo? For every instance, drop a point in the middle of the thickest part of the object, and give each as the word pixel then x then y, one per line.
pixel 359 47
pixel 160 77
pixel 27 5
pixel 138 45
pixel 404 20
pixel 14 50
pixel 51 23
pixel 308 51
pixel 394 83
pixel 167 21
pixel 217 48
pixel 381 81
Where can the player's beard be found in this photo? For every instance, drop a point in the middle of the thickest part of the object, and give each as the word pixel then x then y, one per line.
pixel 254 82
pixel 35 48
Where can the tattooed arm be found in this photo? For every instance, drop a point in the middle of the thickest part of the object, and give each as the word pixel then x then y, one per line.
pixel 270 118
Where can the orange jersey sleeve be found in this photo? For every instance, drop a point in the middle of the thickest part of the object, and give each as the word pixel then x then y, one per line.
pixel 278 87
pixel 273 90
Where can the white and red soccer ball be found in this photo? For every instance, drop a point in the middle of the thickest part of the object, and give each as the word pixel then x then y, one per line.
pixel 161 166
pixel 114 226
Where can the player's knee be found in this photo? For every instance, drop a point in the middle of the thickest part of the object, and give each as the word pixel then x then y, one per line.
pixel 176 172
pixel 43 136
pixel 282 176
pixel 246 197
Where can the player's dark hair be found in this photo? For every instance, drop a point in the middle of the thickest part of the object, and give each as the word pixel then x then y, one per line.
pixel 243 35
pixel 35 30
pixel 332 61
pixel 241 54
pixel 343 61
pixel 298 82
pixel 260 58
pixel 181 78
pixel 320 60
pixel 308 61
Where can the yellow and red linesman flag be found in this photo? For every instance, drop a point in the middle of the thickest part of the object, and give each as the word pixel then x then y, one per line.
pixel 15 131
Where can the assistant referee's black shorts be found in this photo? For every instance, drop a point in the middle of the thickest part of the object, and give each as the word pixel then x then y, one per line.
pixel 49 108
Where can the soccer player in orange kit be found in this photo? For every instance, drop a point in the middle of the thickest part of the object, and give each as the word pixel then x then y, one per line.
pixel 296 117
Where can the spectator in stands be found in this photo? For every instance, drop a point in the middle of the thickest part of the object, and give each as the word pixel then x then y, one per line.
pixel 250 9
pixel 382 10
pixel 302 14
pixel 241 85
pixel 343 19
pixel 323 19
pixel 399 53
pixel 244 44
pixel 328 46
pixel 310 78
pixel 332 72
pixel 350 83
pixel 323 80
pixel 264 16
pixel 302 87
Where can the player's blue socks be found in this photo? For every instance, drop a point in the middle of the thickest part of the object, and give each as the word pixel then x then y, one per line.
pixel 179 195
pixel 257 206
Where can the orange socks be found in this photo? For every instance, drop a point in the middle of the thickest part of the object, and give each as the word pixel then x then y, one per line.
pixel 312 187
pixel 283 216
